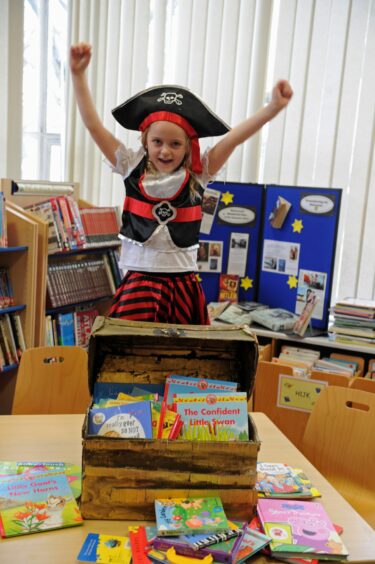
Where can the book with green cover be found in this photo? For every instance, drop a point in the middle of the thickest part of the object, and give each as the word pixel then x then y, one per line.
pixel 37 503
pixel 178 516
pixel 9 468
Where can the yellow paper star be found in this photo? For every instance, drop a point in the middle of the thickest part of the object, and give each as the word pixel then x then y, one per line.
pixel 292 282
pixel 227 198
pixel 297 226
pixel 246 283
pixel 197 276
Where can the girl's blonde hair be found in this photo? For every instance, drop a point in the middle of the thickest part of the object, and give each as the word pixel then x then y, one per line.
pixel 186 163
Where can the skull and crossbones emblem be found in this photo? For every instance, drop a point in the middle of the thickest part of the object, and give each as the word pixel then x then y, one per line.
pixel 171 98
pixel 163 212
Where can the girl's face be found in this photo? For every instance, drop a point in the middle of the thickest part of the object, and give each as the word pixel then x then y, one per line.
pixel 167 144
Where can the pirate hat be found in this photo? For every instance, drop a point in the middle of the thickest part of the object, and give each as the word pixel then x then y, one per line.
pixel 170 99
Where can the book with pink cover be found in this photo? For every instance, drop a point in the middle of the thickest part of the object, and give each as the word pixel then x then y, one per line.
pixel 300 528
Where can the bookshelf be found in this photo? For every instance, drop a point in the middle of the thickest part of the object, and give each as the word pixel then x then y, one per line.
pixel 67 281
pixel 19 259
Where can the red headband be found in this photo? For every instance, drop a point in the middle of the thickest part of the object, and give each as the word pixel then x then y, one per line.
pixel 189 130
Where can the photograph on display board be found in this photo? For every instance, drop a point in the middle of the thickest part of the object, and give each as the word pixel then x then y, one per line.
pixel 210 256
pixel 280 257
pixel 238 249
pixel 209 206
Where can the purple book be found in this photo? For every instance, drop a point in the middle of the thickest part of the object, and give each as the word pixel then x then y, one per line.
pixel 300 527
pixel 224 551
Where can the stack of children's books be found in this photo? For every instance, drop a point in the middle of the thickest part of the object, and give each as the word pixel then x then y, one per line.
pixel 186 531
pixel 188 408
pixel 37 497
pixel 278 480
pixel 304 360
pixel 354 322
pixel 196 530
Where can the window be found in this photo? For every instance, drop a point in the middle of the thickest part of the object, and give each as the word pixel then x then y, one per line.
pixel 44 79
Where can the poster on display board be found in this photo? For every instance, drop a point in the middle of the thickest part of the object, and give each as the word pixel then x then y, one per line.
pixel 298 248
pixel 229 238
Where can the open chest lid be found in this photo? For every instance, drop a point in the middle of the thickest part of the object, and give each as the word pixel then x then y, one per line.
pixel 227 352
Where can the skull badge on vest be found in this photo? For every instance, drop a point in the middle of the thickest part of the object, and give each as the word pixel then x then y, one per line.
pixel 163 212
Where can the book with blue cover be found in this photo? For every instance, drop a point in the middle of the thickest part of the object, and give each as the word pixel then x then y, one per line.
pixel 127 421
pixel 178 516
pixel 65 328
pixel 213 417
pixel 104 549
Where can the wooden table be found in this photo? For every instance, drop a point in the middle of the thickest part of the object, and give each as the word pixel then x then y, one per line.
pixel 58 438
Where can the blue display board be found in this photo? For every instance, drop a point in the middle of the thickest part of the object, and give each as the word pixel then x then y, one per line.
pixel 230 237
pixel 298 256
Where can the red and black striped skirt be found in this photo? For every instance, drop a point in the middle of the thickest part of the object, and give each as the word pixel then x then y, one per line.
pixel 161 298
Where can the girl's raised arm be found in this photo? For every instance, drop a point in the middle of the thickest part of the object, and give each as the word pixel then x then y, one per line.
pixel 218 155
pixel 80 56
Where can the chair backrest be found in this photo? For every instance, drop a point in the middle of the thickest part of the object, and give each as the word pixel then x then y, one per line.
pixel 339 439
pixel 52 380
pixel 265 399
pixel 361 383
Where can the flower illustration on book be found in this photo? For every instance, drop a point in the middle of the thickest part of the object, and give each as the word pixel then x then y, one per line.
pixel 34 516
pixel 202 385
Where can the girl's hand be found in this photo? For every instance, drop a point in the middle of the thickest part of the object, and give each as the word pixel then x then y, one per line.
pixel 80 56
pixel 281 95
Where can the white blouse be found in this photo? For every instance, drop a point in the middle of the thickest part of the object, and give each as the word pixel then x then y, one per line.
pixel 158 253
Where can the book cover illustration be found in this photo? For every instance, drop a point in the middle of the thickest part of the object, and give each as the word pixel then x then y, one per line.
pixel 279 212
pixel 276 319
pixel 130 421
pixel 9 470
pixel 104 549
pixel 175 384
pixel 300 527
pixel 228 288
pixel 251 542
pixel 276 478
pixel 306 314
pixel 306 489
pixel 177 516
pixel 224 551
pixel 213 417
pixel 37 504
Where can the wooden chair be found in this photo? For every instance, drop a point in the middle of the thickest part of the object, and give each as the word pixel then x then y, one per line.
pixel 52 380
pixel 339 441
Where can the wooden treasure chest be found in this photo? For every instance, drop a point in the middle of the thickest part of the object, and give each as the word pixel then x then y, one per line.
pixel 122 477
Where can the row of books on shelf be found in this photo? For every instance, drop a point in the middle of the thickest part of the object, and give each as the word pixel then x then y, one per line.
pixel 70 328
pixel 353 322
pixel 6 289
pixel 186 408
pixel 82 279
pixel 72 228
pixel 12 340
pixel 304 361
pixel 39 496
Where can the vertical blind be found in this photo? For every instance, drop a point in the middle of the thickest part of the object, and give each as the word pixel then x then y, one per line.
pixel 231 52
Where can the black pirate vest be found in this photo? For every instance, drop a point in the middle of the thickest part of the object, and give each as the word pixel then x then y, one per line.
pixel 142 214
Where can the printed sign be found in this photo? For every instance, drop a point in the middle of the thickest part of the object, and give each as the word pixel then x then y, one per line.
pixel 298 393
pixel 318 204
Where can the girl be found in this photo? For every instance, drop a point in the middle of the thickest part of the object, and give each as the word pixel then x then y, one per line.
pixel 164 182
